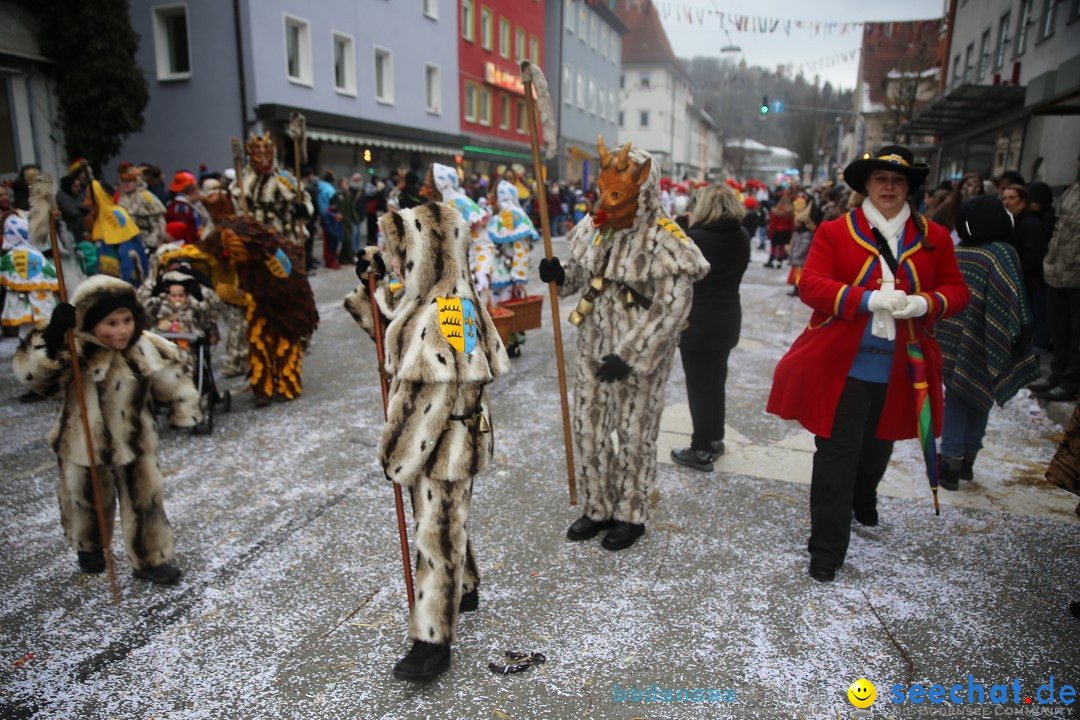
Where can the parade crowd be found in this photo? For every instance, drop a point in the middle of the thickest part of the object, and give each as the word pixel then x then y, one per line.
pixel 930 305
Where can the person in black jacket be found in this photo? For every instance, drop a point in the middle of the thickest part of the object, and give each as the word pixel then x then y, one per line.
pixel 715 320
pixel 1031 241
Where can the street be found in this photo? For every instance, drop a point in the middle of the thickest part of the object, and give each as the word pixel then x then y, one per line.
pixel 292 603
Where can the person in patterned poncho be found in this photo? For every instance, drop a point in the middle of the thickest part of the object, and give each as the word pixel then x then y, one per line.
pixel 986 350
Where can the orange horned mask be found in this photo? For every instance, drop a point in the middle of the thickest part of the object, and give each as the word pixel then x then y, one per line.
pixel 618 184
pixel 261 152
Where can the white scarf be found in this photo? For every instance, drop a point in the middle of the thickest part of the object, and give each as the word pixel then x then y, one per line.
pixel 882 324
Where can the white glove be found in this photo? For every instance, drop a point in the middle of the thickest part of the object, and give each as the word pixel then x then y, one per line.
pixel 888 300
pixel 916 306
pixel 481 282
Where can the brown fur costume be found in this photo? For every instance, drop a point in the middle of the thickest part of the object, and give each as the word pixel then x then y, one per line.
pixel 438 435
pixel 118 389
pixel 281 311
pixel 653 258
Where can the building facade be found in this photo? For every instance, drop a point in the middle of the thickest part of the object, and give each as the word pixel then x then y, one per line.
pixel 584 54
pixel 1011 92
pixel 373 98
pixel 493 37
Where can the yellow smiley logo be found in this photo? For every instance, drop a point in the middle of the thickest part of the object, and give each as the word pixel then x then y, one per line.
pixel 862 693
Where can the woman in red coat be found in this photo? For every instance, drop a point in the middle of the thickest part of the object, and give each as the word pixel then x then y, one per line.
pixel 876 278
pixel 781 224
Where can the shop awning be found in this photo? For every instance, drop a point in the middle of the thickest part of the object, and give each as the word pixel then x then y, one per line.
pixel 965 106
pixel 344 138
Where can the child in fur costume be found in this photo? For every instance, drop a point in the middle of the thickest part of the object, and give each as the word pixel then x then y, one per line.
pixel 639 270
pixel 124 372
pixel 442 350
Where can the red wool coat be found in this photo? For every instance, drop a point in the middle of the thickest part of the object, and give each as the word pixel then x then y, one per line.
pixel 843 265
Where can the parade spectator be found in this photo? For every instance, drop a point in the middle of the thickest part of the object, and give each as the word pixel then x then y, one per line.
pixel 1061 268
pixel 71 198
pixel 1031 240
pixel 333 232
pixel 715 321
pixel 970 186
pixel 21 186
pixel 1007 178
pixel 155 183
pixel 986 349
pixel 802 235
pixel 353 208
pixel 874 286
pixel 781 224
pixel 375 193
pixel 409 195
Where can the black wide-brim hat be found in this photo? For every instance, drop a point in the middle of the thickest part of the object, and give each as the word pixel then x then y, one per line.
pixel 894 158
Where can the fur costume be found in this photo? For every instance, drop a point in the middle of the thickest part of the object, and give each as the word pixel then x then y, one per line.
pixel 28 275
pixel 650 268
pixel 147 212
pixel 273 286
pixel 441 352
pixel 513 234
pixel 119 389
pixel 273 195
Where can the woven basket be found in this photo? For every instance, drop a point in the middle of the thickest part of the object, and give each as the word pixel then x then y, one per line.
pixel 528 312
pixel 503 320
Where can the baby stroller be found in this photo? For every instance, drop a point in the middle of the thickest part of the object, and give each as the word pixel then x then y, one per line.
pixel 195 335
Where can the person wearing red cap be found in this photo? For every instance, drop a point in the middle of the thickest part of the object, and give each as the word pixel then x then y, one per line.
pixel 183 208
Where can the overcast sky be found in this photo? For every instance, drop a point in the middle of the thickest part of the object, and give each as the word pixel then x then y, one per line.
pixel 769 50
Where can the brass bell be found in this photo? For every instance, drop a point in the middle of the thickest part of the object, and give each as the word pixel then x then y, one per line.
pixel 598 283
pixel 484 427
pixel 576 318
pixel 628 300
pixel 585 306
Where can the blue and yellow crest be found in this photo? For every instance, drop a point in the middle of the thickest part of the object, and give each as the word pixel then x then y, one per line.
pixel 28 265
pixel 279 264
pixel 457 322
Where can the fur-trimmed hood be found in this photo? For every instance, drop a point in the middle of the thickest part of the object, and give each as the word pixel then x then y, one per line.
pixel 429 244
pixel 104 288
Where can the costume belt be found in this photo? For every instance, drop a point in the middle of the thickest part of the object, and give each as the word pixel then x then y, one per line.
pixel 476 418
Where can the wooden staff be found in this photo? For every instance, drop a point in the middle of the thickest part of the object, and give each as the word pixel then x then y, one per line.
pixel 528 70
pixel 238 168
pixel 403 533
pixel 43 188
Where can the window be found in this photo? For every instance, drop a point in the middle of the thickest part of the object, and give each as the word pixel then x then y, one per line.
pixel 344 64
pixel 969 57
pixel 581 89
pixel 1024 19
pixel 298 50
pixel 646 81
pixel 594 31
pixel 1046 27
pixel 621 119
pixel 384 75
pixel 486 28
pixel 601 101
pixel 483 110
pixel 1074 10
pixel 568 15
pixel 522 118
pixel 643 118
pixel 611 107
pixel 592 96
pixel 431 8
pixel 467 20
pixel 519 45
pixel 504 111
pixel 984 53
pixel 470 101
pixel 432 89
pixel 534 50
pixel 171 48
pixel 1002 41
pixel 614 46
pixel 603 40
pixel 504 38
pixel 622 82
pixel 568 84
pixel 582 22
pixel 956 71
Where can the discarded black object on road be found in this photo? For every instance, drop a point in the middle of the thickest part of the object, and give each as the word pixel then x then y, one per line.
pixel 519 662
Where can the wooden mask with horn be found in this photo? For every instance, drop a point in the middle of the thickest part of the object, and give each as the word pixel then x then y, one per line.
pixel 261 152
pixel 618 183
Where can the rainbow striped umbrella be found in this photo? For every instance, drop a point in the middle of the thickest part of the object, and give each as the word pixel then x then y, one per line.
pixel 923 418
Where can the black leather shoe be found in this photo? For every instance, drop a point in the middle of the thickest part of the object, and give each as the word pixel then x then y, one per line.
pixel 585 527
pixel 163 574
pixel 622 536
pixel 424 661
pixel 1042 386
pixel 92 561
pixel 949 473
pixel 967 468
pixel 1060 394
pixel 696 459
pixel 822 570
pixel 469 601
pixel 869 518
pixel 716 449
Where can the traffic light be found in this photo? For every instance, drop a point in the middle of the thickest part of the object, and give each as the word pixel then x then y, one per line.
pixel 765 105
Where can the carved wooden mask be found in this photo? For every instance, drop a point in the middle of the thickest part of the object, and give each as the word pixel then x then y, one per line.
pixel 261 152
pixel 618 184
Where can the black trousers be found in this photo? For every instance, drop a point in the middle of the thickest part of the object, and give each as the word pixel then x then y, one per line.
pixel 706 374
pixel 847 469
pixel 1064 315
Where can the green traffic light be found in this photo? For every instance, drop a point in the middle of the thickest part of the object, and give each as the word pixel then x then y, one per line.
pixel 764 109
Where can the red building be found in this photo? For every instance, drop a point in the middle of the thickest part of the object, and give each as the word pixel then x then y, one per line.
pixel 493 37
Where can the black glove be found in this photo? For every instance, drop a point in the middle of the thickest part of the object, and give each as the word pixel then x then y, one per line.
pixel 612 368
pixel 362 266
pixel 552 271
pixel 55 334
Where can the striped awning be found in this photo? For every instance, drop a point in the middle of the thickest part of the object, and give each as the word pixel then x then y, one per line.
pixel 344 138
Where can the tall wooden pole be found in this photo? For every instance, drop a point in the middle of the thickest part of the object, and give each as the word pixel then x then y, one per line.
pixel 399 503
pixel 77 380
pixel 553 291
